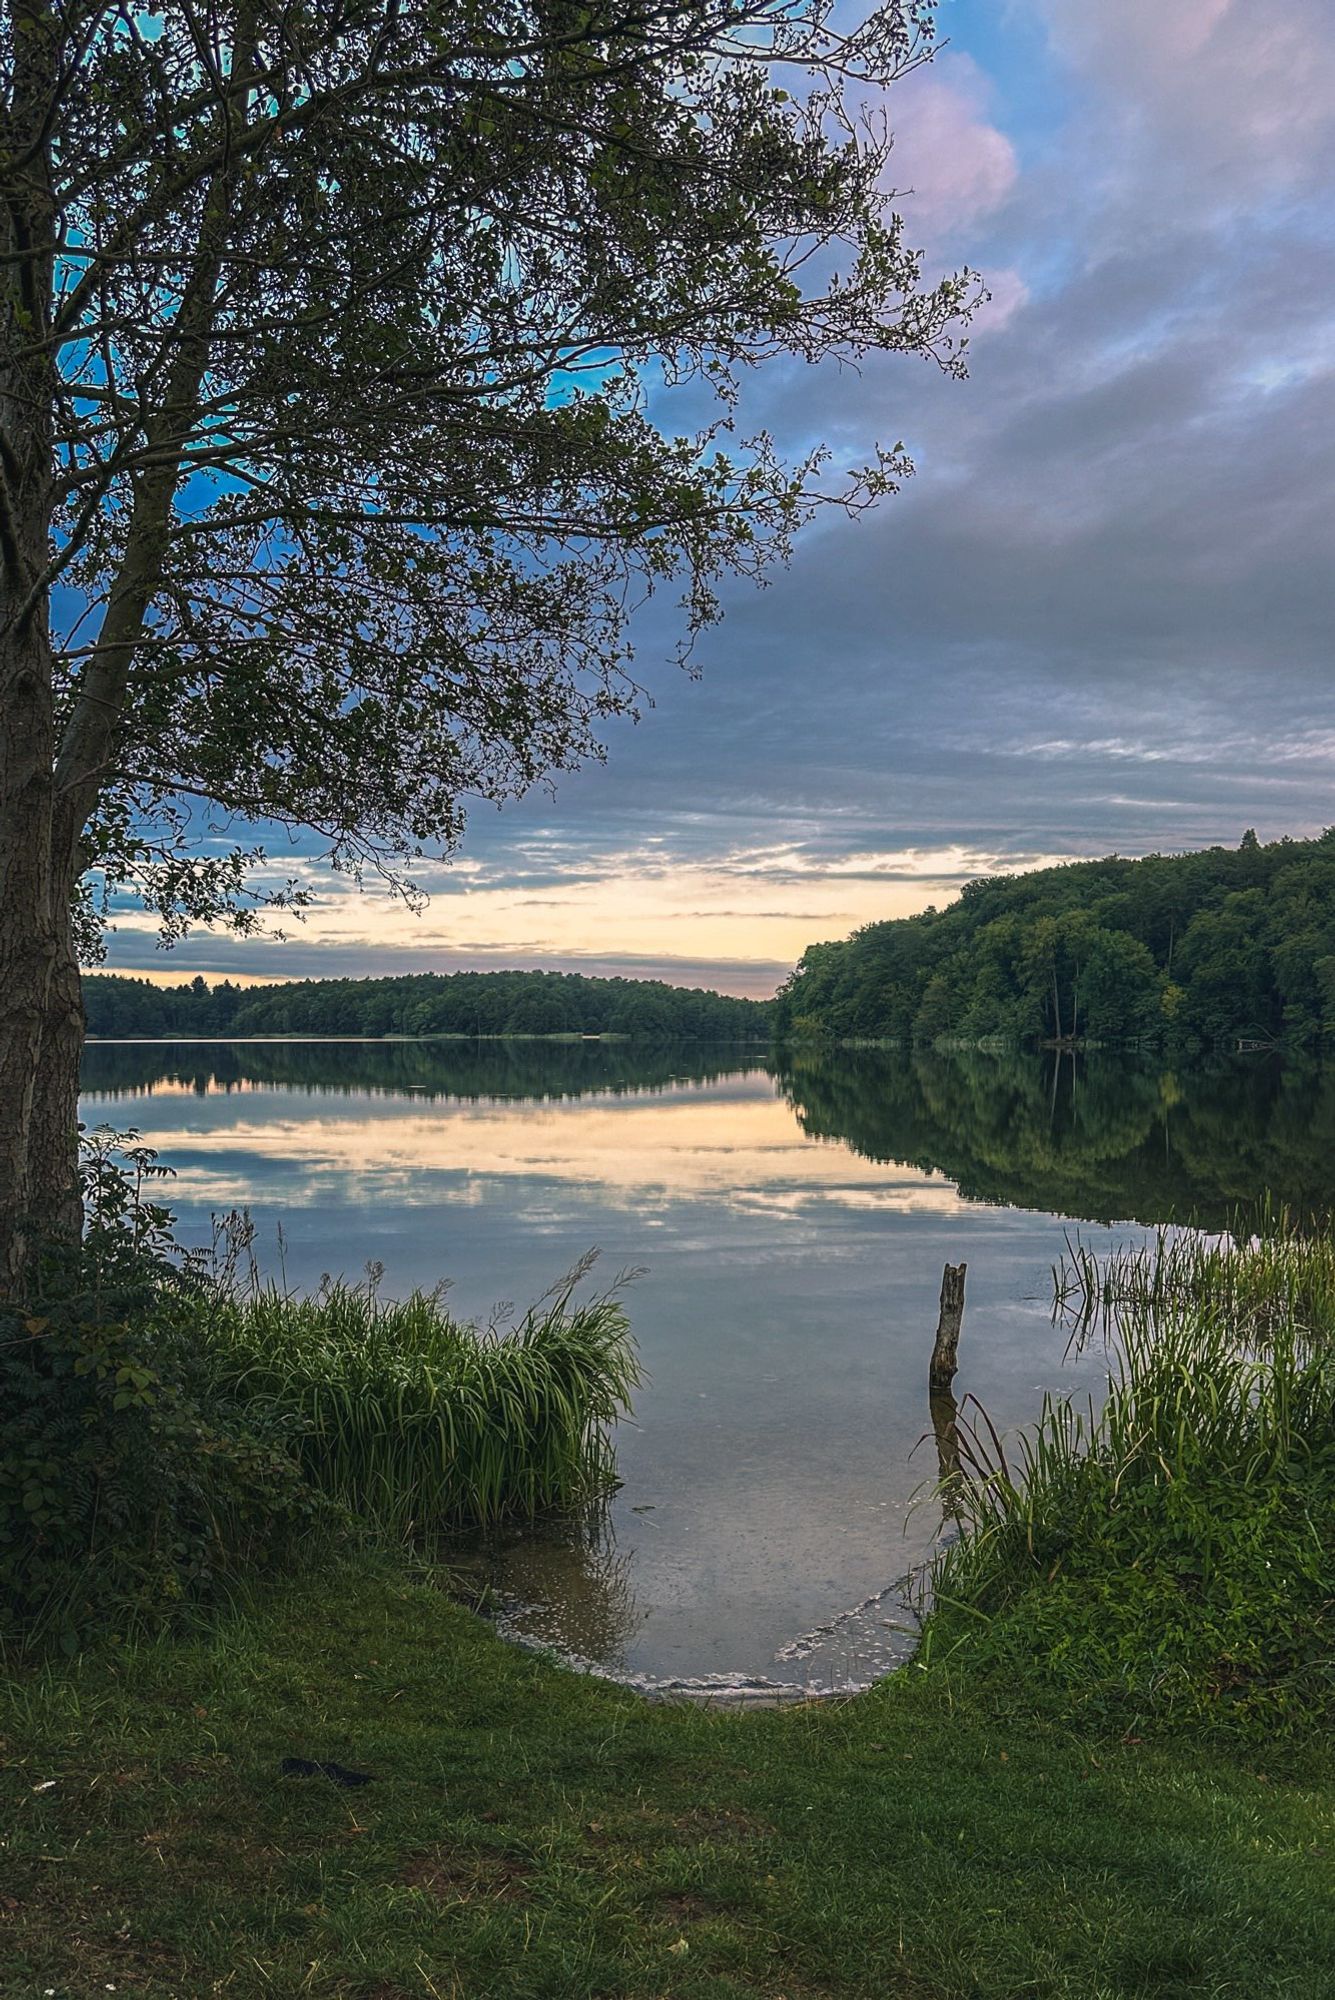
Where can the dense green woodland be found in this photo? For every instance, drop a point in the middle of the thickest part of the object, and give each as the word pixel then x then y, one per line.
pixel 1228 943
pixel 1225 944
pixel 428 1003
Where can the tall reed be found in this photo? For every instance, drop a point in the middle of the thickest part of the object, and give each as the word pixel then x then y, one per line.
pixel 1268 1270
pixel 416 1422
pixel 1170 1550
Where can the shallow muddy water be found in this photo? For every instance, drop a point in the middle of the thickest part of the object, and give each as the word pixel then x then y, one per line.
pixel 791 1223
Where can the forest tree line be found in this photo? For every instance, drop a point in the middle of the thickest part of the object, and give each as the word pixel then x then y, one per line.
pixel 1222 944
pixel 427 1003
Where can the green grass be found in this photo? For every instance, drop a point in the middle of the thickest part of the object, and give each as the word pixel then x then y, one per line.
pixel 415 1422
pixel 1168 1558
pixel 1109 1776
pixel 531 1835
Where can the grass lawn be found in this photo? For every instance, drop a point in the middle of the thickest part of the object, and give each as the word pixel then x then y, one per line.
pixel 532 1833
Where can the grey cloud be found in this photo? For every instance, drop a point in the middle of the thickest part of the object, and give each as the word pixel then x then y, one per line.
pixel 1120 534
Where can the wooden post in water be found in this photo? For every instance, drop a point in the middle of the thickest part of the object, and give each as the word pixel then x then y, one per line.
pixel 946 1429
pixel 944 1364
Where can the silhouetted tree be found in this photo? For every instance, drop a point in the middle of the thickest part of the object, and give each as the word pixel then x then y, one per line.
pixel 326 336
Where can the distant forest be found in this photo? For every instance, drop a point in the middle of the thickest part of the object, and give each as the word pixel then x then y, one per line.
pixel 428 1003
pixel 1226 944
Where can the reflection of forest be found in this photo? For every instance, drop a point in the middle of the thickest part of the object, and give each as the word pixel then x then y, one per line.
pixel 1105 1138
pixel 429 1069
pixel 1100 1136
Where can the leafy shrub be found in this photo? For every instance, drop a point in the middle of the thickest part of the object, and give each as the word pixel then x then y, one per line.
pixel 127 1484
pixel 165 1421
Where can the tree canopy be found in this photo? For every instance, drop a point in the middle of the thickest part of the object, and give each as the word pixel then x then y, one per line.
pixel 351 336
pixel 1225 943
pixel 426 1003
pixel 363 364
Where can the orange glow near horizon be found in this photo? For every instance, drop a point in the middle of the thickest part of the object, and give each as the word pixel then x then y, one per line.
pixel 737 1143
pixel 759 909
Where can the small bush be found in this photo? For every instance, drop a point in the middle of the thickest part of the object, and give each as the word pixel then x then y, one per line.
pixel 416 1423
pixel 127 1484
pixel 163 1425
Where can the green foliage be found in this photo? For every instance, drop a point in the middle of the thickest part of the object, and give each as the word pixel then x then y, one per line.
pixel 416 1423
pixel 1166 1560
pixel 461 1003
pixel 535 1834
pixel 161 1430
pixel 1222 944
pixel 442 267
pixel 127 1485
pixel 1283 1276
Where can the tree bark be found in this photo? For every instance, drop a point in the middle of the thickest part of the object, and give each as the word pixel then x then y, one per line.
pixel 29 941
pixel 949 1462
pixel 944 1362
pixel 48 792
pixel 28 946
pixel 55 1201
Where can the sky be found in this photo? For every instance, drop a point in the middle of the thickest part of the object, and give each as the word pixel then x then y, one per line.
pixel 1098 619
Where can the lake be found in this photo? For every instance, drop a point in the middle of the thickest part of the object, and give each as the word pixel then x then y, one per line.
pixel 788 1220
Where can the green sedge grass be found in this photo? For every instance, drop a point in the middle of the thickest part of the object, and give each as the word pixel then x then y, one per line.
pixel 1166 1552
pixel 1270 1269
pixel 416 1422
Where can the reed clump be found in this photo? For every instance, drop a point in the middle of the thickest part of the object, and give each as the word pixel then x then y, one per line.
pixel 1269 1270
pixel 1168 1555
pixel 416 1422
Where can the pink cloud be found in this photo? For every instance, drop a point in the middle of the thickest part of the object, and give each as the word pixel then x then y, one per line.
pixel 958 166
pixel 1239 92
pixel 1009 293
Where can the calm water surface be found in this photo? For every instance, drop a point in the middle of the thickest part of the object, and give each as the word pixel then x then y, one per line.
pixel 792 1223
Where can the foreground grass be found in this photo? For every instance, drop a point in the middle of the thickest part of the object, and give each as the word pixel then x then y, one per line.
pixel 531 1833
pixel 1167 1559
pixel 414 1421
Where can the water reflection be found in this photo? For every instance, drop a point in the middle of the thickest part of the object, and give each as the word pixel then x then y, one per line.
pixel 534 1070
pixel 1095 1136
pixel 684 1136
pixel 795 1217
pixel 945 1413
pixel 566 1585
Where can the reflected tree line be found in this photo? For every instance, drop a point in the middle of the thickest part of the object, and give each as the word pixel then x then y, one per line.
pixel 1094 1135
pixel 541 1071
pixel 1105 1138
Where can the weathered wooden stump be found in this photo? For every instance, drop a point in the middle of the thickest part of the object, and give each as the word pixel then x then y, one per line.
pixel 944 1364
pixel 946 1429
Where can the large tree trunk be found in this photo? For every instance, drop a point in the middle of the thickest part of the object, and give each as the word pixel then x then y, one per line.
pixel 47 797
pixel 53 1150
pixel 28 942
pixel 28 936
